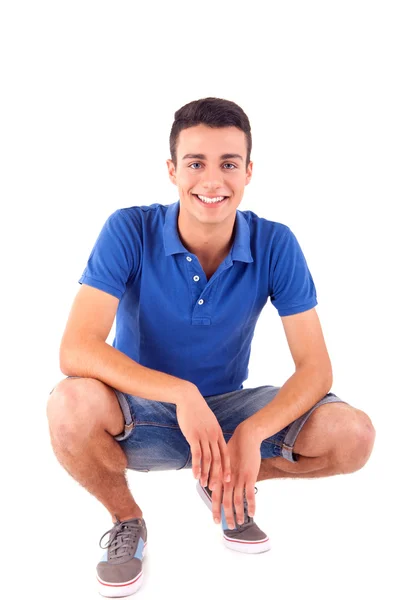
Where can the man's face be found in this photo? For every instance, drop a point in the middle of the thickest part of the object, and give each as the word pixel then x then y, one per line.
pixel 203 169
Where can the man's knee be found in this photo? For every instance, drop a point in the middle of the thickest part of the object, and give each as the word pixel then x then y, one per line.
pixel 71 407
pixel 353 452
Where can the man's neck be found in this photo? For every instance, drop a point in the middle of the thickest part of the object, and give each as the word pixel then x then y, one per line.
pixel 210 246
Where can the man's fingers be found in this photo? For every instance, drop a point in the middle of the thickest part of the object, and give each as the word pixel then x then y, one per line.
pixel 225 459
pixel 195 449
pixel 217 501
pixel 215 472
pixel 251 499
pixel 228 505
pixel 238 500
pixel 205 460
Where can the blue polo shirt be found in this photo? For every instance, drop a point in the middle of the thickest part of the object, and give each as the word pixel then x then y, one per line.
pixel 170 318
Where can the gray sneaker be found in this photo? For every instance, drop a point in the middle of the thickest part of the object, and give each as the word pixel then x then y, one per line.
pixel 119 573
pixel 247 537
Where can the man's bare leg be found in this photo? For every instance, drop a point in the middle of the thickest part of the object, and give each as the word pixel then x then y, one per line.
pixel 83 416
pixel 306 467
pixel 336 439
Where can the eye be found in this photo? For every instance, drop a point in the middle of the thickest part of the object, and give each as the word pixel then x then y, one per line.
pixel 194 164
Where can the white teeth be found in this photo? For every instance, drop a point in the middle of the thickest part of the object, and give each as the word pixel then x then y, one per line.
pixel 211 200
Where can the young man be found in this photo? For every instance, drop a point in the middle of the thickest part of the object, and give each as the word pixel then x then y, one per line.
pixel 187 283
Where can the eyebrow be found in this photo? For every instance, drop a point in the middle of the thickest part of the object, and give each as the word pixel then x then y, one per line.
pixel 203 156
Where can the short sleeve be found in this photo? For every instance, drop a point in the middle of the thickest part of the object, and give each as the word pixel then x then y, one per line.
pixel 115 255
pixel 292 288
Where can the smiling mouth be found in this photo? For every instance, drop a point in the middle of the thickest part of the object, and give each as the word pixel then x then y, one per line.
pixel 211 200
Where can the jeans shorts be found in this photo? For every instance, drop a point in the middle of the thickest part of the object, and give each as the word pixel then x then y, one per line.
pixel 152 439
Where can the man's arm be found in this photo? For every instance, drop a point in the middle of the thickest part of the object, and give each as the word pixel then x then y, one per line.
pixel 85 352
pixel 311 381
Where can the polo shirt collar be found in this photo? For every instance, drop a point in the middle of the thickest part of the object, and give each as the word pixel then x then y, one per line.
pixel 172 243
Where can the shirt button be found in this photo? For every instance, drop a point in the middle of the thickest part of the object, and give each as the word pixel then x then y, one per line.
pixel 201 301
pixel 196 278
pixel 189 258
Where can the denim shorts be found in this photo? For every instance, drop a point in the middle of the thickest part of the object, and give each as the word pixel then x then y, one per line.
pixel 152 439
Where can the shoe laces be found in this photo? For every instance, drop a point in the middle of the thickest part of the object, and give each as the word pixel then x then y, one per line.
pixel 123 538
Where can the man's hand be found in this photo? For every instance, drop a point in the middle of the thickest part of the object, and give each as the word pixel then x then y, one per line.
pixel 245 459
pixel 199 425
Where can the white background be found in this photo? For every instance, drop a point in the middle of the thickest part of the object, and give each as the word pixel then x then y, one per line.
pixel 89 91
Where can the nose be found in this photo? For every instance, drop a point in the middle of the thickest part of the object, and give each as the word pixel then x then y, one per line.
pixel 212 178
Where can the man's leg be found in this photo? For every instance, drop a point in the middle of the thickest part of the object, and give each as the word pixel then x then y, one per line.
pixel 84 415
pixel 336 439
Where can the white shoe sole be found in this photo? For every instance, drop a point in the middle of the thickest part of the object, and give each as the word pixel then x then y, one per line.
pixel 112 590
pixel 248 547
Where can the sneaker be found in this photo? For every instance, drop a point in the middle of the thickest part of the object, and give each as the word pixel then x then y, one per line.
pixel 119 573
pixel 246 537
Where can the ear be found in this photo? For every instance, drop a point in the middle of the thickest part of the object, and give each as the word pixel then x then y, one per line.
pixel 249 172
pixel 171 170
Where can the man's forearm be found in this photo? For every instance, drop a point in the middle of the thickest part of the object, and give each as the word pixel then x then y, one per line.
pixel 91 357
pixel 299 393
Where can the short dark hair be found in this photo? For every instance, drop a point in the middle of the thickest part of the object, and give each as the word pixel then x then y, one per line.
pixel 214 112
